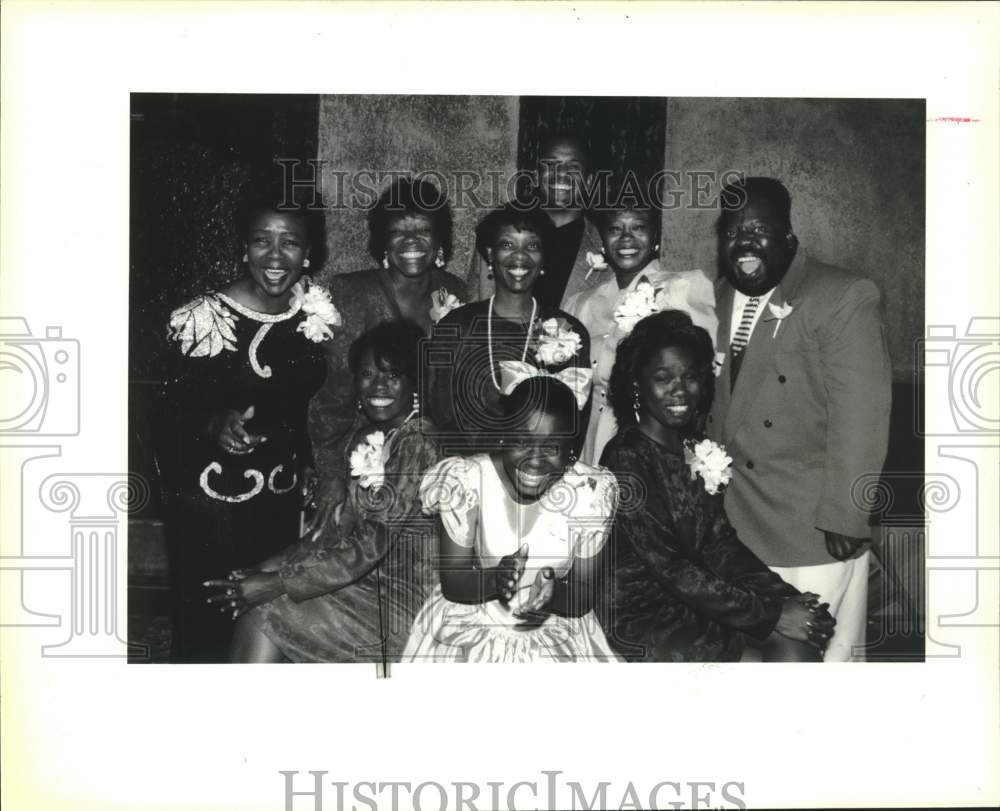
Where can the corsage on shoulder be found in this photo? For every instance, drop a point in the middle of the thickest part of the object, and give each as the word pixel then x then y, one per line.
pixel 637 304
pixel 367 462
pixel 556 342
pixel 442 303
pixel 710 460
pixel 320 313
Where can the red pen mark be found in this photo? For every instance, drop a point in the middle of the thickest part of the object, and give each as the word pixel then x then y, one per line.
pixel 954 119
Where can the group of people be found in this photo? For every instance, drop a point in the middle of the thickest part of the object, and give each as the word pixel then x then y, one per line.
pixel 576 455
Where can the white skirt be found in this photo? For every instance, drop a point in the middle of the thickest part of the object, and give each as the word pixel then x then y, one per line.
pixel 486 632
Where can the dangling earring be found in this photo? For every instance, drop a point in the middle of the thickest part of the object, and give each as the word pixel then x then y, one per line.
pixel 489 270
pixel 635 404
pixel 305 262
pixel 416 402
pixel 246 258
pixel 360 407
pixel 541 272
pixel 656 248
pixel 573 458
pixel 439 259
pixel 385 260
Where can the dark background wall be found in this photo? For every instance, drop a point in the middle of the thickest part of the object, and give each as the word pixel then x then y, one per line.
pixel 855 170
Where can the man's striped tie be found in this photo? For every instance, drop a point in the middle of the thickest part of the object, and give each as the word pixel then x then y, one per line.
pixel 741 338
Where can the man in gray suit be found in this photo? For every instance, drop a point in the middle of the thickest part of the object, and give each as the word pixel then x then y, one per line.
pixel 802 404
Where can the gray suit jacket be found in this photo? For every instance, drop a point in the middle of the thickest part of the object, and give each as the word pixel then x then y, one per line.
pixel 809 417
pixel 481 287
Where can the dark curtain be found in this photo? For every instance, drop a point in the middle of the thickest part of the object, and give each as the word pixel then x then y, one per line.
pixel 622 133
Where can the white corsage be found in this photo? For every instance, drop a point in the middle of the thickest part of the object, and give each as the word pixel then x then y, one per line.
pixel 717 363
pixel 320 312
pixel 442 303
pixel 711 461
pixel 780 312
pixel 637 304
pixel 367 462
pixel 596 261
pixel 556 343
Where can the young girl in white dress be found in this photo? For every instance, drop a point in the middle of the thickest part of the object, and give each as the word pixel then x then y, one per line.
pixel 524 528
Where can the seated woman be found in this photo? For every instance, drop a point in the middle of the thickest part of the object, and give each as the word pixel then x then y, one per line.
pixel 351 594
pixel 469 344
pixel 523 528
pixel 410 236
pixel 636 286
pixel 684 589
pixel 243 362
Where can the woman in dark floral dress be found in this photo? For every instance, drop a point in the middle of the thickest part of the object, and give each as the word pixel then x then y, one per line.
pixel 470 342
pixel 410 238
pixel 351 594
pixel 245 360
pixel 683 587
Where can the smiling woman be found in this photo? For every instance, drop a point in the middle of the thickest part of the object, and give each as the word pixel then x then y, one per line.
pixel 246 360
pixel 410 230
pixel 470 343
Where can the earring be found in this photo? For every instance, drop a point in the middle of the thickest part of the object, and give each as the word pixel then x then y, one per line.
pixel 385 260
pixel 656 248
pixel 360 407
pixel 305 262
pixel 439 259
pixel 541 272
pixel 489 271
pixel 245 258
pixel 416 401
pixel 573 458
pixel 635 404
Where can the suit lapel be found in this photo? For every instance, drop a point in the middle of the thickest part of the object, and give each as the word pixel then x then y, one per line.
pixel 759 355
pixel 578 279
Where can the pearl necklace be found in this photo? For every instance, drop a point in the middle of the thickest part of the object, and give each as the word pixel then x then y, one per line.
pixel 489 337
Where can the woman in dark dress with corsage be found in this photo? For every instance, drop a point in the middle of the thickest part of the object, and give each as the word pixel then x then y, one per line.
pixel 244 362
pixel 351 594
pixel 469 344
pixel 683 587
pixel 410 238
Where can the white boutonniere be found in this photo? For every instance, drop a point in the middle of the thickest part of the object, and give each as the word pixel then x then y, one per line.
pixel 367 462
pixel 636 304
pixel 709 460
pixel 780 312
pixel 319 310
pixel 720 358
pixel 442 303
pixel 596 261
pixel 557 343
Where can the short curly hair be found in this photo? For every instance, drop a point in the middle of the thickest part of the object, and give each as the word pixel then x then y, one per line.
pixel 407 197
pixel 304 203
pixel 670 328
pixel 521 215
pixel 394 344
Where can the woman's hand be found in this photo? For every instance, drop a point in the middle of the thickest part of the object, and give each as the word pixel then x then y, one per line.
pixel 228 432
pixel 243 590
pixel 535 611
pixel 327 500
pixel 508 573
pixel 805 619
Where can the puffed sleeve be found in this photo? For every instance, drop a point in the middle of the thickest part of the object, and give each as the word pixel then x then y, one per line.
pixel 450 489
pixel 595 510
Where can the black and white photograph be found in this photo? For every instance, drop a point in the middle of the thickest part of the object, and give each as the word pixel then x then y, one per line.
pixel 464 388
pixel 463 351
